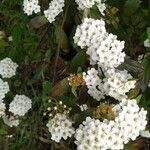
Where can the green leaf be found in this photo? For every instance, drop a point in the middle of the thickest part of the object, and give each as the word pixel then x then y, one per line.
pixel 62 38
pixel 134 92
pixel 3 44
pixel 47 86
pixel 131 7
pixel 129 147
pixel 78 60
pixel 73 89
pixel 17 33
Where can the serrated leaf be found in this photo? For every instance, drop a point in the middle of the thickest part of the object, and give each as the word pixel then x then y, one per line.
pixel 131 7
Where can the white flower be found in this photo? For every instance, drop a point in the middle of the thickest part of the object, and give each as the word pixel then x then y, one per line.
pixel 60 127
pixel 10 38
pixel 101 7
pixel 55 8
pixel 89 31
pixel 140 58
pixel 145 133
pixel 117 83
pixel 131 119
pixel 10 121
pixel 103 48
pixel 149 85
pixel 96 135
pixel 7 68
pixel 94 84
pixel 147 43
pixel 84 4
pixel 83 107
pixel 4 89
pixel 2 108
pixel 31 6
pixel 20 105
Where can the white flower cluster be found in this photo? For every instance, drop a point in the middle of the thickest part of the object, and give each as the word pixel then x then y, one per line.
pixel 94 84
pixel 89 32
pixel 103 48
pixel 83 4
pixel 55 7
pixel 94 134
pixel 7 68
pixel 20 105
pixel 131 119
pixel 4 89
pixel 147 43
pixel 10 121
pixel 117 83
pixel 31 6
pixel 60 127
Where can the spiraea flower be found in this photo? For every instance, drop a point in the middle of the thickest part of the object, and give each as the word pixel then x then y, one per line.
pixel 20 105
pixel 84 4
pixel 60 127
pixel 7 68
pixel 31 6
pixel 10 121
pixel 89 31
pixel 4 89
pixel 55 8
pixel 107 52
pixel 147 43
pixel 94 134
pixel 117 83
pixel 131 119
pixel 103 48
pixel 94 84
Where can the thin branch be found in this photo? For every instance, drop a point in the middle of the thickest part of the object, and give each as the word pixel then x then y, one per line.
pixel 58 47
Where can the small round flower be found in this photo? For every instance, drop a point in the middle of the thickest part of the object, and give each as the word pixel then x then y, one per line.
pixel 7 68
pixel 10 121
pixel 147 43
pixel 60 127
pixel 20 105
pixel 31 6
pixel 4 89
pixel 55 8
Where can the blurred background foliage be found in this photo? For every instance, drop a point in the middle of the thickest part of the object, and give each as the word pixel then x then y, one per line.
pixel 47 55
